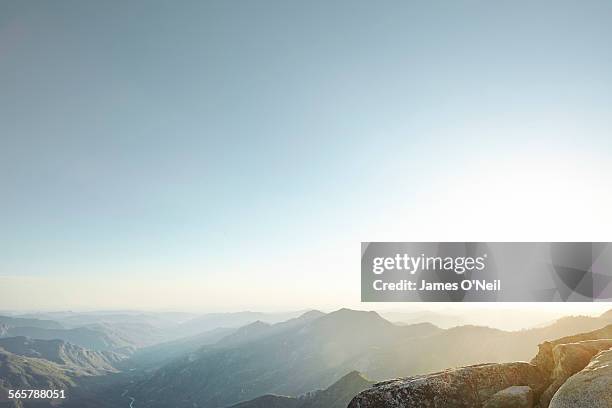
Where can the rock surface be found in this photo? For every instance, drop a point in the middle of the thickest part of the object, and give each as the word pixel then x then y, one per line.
pixel 466 387
pixel 545 360
pixel 512 397
pixel 554 374
pixel 590 388
pixel 569 359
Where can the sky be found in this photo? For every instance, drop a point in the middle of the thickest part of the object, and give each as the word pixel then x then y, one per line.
pixel 230 155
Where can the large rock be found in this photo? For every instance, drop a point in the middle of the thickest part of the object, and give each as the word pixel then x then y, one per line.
pixel 545 360
pixel 502 385
pixel 564 360
pixel 466 387
pixel 590 388
pixel 512 397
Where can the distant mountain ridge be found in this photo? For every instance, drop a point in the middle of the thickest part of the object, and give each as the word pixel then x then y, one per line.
pixel 29 322
pixel 90 338
pixel 294 359
pixel 63 353
pixel 210 321
pixel 289 358
pixel 258 329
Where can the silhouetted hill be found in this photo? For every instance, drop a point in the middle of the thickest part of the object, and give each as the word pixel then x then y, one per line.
pixel 338 395
pixel 607 316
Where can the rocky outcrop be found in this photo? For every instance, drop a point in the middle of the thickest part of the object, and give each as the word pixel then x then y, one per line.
pixel 544 359
pixel 557 373
pixel 465 387
pixel 566 360
pixel 590 388
pixel 512 397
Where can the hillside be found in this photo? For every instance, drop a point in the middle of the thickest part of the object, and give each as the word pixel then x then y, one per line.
pixel 19 372
pixel 294 357
pixel 162 353
pixel 60 352
pixel 338 395
pixel 90 338
pixel 54 364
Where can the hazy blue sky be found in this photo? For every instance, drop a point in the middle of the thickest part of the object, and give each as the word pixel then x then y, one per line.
pixel 228 154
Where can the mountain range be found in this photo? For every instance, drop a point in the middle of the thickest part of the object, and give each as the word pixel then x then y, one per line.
pixel 47 364
pixel 310 360
pixel 62 353
pixel 318 349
